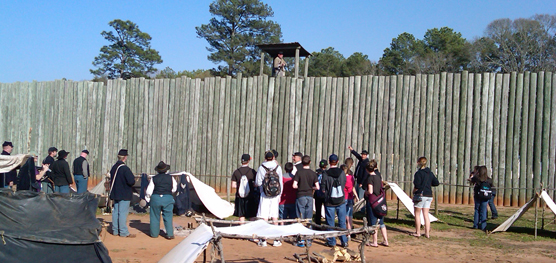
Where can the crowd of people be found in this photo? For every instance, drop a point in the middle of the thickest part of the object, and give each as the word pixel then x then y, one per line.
pixel 52 176
pixel 266 193
pixel 270 193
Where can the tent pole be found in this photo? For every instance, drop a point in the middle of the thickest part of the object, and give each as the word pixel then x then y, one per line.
pixel 398 209
pixel 435 201
pixel 260 71
pixel 536 214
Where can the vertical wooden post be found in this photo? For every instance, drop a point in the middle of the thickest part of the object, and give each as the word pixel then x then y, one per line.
pixel 398 209
pixel 436 201
pixel 262 64
pixel 305 72
pixel 297 62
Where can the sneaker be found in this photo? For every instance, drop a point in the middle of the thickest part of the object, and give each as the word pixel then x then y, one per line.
pixel 494 217
pixel 130 235
pixel 300 244
pixel 277 243
pixel 346 245
pixel 262 243
pixel 329 245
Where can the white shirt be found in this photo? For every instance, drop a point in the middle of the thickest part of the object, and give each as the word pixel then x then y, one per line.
pixel 150 188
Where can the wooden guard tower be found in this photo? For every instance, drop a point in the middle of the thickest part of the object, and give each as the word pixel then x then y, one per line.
pixel 293 49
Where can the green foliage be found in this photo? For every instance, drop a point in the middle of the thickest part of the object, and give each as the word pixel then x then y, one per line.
pixel 233 31
pixel 440 50
pixel 169 73
pixel 128 55
pixel 358 64
pixel 327 62
pixel 400 57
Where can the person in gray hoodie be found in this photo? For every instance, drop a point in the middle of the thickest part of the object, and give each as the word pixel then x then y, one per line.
pixel 333 183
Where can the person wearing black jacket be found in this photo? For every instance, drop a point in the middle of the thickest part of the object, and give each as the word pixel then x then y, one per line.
pixel 332 203
pixel 361 173
pixel 245 206
pixel 7 179
pixel 61 174
pixel 29 177
pixel 480 179
pixel 47 184
pixel 81 171
pixel 121 186
pixel 159 193
pixel 423 181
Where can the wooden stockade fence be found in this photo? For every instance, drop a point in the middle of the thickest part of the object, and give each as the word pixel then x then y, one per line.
pixel 504 121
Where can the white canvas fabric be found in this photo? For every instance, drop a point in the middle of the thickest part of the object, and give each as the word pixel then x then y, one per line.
pixel 267 230
pixel 191 247
pixel 10 162
pixel 522 210
pixel 408 202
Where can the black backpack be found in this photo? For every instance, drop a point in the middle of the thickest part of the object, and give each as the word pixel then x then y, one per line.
pixel 271 182
pixel 485 191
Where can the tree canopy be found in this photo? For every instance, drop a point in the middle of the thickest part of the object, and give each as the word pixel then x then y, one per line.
pixel 233 31
pixel 128 55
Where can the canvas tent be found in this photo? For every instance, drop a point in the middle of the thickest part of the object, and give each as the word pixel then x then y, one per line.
pixel 10 162
pixel 38 227
pixel 522 210
pixel 202 196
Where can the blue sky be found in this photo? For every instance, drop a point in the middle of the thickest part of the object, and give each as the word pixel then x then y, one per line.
pixel 48 40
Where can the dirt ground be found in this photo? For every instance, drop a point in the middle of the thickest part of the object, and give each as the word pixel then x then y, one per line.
pixel 449 244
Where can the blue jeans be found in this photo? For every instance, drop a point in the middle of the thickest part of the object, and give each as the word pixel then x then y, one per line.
pixel 63 189
pixel 119 218
pixel 164 203
pixel 349 207
pixel 480 216
pixel 287 211
pixel 330 213
pixel 371 216
pixel 304 207
pixel 81 183
pixel 492 207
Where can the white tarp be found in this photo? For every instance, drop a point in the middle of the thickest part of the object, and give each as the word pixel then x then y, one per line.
pixel 549 202
pixel 510 221
pixel 99 188
pixel 264 229
pixel 10 162
pixel 216 205
pixel 408 202
pixel 191 247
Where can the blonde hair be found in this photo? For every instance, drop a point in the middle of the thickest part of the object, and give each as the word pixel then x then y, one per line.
pixel 349 163
pixel 121 157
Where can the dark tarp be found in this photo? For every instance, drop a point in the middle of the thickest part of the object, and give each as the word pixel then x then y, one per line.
pixel 39 227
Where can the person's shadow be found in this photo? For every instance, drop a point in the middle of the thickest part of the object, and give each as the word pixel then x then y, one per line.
pixel 143 227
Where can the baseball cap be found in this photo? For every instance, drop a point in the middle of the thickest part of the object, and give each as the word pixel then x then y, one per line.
pixel 245 157
pixel 365 152
pixel 323 163
pixel 333 158
pixel 85 151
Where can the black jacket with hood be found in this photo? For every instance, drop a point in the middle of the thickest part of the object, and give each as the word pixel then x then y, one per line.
pixel 424 180
pixel 328 181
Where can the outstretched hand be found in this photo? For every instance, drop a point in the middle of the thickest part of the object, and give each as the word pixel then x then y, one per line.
pixel 349 147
